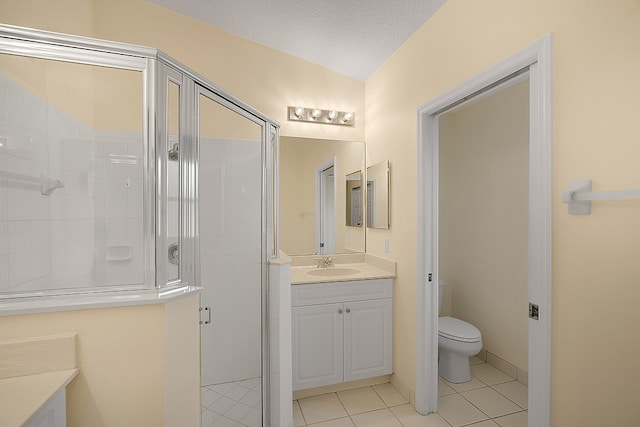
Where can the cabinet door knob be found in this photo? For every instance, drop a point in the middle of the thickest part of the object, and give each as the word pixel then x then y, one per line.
pixel 339 311
pixel 348 310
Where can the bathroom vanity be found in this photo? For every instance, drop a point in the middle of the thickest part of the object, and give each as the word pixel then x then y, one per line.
pixel 33 379
pixel 342 323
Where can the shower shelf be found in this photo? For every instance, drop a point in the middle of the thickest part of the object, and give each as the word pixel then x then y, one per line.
pixel 579 196
pixel 119 253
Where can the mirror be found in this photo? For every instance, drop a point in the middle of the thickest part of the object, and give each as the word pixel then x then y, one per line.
pixel 378 195
pixel 313 202
pixel 354 199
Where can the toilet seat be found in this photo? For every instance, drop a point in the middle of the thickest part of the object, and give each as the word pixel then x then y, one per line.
pixel 458 330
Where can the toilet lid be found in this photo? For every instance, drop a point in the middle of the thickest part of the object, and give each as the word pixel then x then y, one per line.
pixel 458 330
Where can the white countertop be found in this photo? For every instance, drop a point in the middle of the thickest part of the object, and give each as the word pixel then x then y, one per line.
pixel 368 267
pixel 21 397
pixel 301 276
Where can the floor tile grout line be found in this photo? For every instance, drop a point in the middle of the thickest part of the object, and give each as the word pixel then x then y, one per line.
pixel 301 413
pixel 475 406
pixel 486 386
pixel 509 399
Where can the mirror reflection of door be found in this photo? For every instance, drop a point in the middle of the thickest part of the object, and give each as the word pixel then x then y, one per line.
pixel 326 209
pixel 354 199
pixel 378 195
pixel 371 195
pixel 356 206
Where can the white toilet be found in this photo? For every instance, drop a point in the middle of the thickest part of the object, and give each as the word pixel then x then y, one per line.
pixel 457 340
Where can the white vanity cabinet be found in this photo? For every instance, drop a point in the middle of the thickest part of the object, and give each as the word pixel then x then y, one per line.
pixel 342 331
pixel 52 414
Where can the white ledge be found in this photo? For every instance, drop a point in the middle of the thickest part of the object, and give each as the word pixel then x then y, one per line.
pixel 46 304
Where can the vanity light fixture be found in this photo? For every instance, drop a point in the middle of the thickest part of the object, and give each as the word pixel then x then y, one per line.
pixel 317 115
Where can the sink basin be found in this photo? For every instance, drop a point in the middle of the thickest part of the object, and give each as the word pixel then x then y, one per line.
pixel 334 271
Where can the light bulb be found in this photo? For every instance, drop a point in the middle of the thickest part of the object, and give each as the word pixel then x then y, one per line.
pixel 298 112
pixel 347 117
pixel 316 113
pixel 332 115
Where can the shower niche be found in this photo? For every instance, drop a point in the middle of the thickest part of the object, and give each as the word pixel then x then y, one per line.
pixel 123 170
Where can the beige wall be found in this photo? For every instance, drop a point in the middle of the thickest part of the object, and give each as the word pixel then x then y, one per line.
pixel 266 79
pixel 100 98
pixel 65 16
pixel 484 165
pixel 123 355
pixel 69 87
pixel 596 64
pixel 182 367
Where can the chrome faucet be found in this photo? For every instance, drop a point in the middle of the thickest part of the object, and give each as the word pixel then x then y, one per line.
pixel 324 262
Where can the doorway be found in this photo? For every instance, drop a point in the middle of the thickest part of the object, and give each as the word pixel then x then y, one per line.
pixel 535 60
pixel 326 208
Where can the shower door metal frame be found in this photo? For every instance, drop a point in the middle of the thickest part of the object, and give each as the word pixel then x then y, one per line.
pixel 27 42
pixel 268 129
pixel 187 159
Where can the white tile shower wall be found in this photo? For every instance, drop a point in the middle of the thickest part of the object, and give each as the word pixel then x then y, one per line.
pixel 230 221
pixel 24 215
pixel 59 241
pixel 72 209
pixel 119 238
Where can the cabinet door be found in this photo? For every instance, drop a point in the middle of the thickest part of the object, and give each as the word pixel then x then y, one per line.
pixel 368 339
pixel 318 334
pixel 52 414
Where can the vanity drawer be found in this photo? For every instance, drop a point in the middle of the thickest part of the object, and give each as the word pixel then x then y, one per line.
pixel 332 292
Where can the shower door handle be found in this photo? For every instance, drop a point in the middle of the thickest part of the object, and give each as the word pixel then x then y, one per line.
pixel 207 311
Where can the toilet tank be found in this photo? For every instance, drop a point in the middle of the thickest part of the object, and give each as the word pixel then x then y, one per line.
pixel 440 293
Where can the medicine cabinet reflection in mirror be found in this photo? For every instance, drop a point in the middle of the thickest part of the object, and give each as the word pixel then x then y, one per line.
pixel 378 195
pixel 354 200
pixel 301 159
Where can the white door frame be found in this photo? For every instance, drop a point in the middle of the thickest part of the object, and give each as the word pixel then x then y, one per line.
pixel 537 58
pixel 321 206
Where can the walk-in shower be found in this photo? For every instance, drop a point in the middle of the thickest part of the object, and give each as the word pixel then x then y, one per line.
pixel 123 170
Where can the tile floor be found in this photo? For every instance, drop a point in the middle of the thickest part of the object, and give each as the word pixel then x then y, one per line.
pixel 490 399
pixel 233 404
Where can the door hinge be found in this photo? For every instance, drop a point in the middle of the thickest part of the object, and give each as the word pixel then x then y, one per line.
pixel 534 311
pixel 206 313
pixel 430 277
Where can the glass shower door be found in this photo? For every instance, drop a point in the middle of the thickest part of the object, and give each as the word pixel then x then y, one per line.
pixel 231 261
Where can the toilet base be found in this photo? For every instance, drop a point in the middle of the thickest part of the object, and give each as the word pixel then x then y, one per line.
pixel 454 366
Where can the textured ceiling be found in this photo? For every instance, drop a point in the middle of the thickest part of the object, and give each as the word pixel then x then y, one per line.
pixel 352 37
